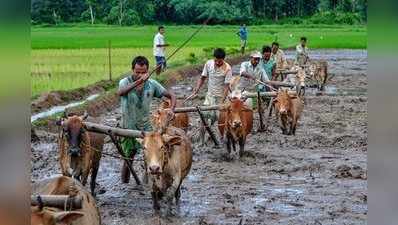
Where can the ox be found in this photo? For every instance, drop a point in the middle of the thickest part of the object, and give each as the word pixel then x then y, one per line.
pixel 168 159
pixel 87 215
pixel 288 109
pixel 162 117
pixel 297 79
pixel 236 121
pixel 318 72
pixel 80 150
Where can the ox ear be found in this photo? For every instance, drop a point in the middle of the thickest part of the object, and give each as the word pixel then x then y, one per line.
pixel 171 140
pixel 66 218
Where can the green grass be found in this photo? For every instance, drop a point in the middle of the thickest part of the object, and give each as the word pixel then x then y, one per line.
pixel 68 57
pixel 210 36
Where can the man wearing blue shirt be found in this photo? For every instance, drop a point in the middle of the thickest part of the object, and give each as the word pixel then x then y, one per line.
pixel 242 33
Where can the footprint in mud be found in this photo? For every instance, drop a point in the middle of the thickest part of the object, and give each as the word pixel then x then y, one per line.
pixel 354 172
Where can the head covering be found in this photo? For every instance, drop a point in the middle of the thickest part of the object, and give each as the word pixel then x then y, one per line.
pixel 256 55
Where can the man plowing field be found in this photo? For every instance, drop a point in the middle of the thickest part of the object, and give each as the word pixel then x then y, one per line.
pixel 136 104
pixel 219 74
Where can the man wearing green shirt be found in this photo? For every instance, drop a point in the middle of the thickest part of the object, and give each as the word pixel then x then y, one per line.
pixel 136 105
pixel 268 64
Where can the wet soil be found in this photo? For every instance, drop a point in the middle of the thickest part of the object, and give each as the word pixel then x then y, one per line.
pixel 317 177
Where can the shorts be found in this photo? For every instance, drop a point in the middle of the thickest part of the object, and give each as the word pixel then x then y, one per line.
pixel 161 60
pixel 212 114
pixel 130 145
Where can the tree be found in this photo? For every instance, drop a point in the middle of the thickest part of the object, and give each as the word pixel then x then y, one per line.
pixel 91 4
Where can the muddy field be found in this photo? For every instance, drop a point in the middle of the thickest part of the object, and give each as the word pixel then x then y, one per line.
pixel 317 177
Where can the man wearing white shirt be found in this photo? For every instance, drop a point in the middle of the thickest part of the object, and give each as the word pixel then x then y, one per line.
pixel 302 56
pixel 249 72
pixel 159 48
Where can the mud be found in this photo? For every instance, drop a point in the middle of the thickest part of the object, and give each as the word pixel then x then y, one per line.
pixel 317 177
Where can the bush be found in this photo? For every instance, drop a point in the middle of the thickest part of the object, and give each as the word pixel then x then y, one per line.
pixel 192 59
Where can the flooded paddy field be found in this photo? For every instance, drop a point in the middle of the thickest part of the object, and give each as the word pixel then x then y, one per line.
pixel 317 177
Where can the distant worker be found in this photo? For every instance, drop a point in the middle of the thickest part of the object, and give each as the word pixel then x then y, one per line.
pixel 159 50
pixel 278 56
pixel 302 56
pixel 242 33
pixel 250 71
pixel 268 64
pixel 219 74
pixel 136 106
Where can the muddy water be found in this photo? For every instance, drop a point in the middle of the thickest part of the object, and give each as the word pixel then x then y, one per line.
pixel 318 176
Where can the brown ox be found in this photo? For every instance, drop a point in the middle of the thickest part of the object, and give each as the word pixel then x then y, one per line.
pixel 162 117
pixel 288 109
pixel 318 72
pixel 87 215
pixel 80 150
pixel 168 159
pixel 236 121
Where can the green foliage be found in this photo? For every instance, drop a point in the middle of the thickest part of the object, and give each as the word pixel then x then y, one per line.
pixel 253 12
pixel 330 17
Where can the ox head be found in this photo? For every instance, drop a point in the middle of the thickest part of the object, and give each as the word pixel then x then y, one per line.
pixel 46 216
pixel 282 101
pixel 161 119
pixel 157 149
pixel 234 111
pixel 74 134
pixel 312 70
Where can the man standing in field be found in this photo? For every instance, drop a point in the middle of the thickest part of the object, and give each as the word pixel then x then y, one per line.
pixel 159 48
pixel 242 33
pixel 302 56
pixel 278 56
pixel 268 64
pixel 219 73
pixel 249 72
pixel 136 105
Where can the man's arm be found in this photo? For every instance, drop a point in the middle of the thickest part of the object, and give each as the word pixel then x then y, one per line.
pixel 199 84
pixel 226 91
pixel 170 95
pixel 125 90
pixel 274 72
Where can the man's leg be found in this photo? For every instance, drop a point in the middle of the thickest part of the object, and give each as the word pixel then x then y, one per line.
pixel 158 64
pixel 129 148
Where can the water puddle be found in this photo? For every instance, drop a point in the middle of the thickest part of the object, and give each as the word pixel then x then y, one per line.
pixel 58 109
pixel 182 90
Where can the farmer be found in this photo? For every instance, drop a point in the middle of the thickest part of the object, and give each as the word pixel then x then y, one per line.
pixel 242 33
pixel 159 47
pixel 302 52
pixel 278 56
pixel 136 105
pixel 249 72
pixel 219 73
pixel 268 63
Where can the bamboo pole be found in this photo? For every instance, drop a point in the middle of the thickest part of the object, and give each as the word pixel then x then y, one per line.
pixel 103 129
pixel 57 201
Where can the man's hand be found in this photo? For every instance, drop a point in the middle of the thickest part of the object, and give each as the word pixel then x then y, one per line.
pixel 192 96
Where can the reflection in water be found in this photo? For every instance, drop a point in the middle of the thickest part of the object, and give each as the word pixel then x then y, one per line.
pixel 57 109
